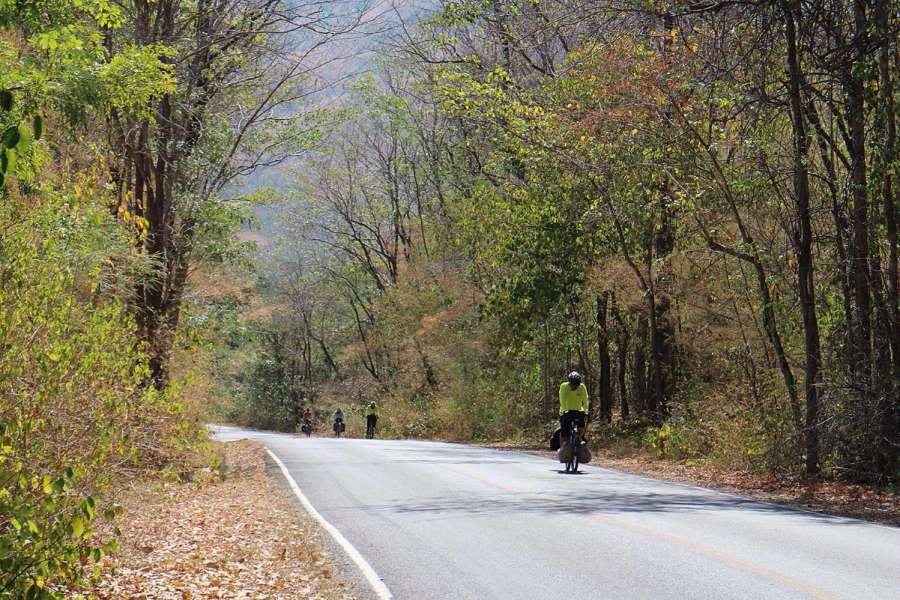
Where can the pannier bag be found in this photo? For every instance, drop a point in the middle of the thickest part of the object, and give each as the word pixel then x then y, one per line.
pixel 584 453
pixel 564 454
pixel 554 439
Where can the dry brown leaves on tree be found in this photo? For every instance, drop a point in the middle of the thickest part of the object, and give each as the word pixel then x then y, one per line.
pixel 236 536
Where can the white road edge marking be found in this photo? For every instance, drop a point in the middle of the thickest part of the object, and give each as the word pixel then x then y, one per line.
pixel 378 586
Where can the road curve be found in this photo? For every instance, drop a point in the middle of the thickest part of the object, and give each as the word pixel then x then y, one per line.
pixel 447 521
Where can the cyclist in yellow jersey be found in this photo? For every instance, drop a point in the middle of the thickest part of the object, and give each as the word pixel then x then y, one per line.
pixel 372 413
pixel 573 405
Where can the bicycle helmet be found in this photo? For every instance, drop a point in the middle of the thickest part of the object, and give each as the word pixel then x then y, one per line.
pixel 574 379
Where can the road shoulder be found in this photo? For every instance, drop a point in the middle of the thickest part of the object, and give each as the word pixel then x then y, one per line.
pixel 349 572
pixel 234 534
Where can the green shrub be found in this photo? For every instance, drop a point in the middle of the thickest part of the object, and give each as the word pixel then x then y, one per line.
pixel 678 440
pixel 74 407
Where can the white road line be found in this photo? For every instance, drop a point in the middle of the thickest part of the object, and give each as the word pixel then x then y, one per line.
pixel 378 586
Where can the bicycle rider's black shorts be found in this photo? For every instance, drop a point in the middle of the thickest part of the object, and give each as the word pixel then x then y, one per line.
pixel 566 419
pixel 371 420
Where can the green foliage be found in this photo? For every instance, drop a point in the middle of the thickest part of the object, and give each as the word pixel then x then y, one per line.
pixel 271 396
pixel 62 63
pixel 69 376
pixel 73 404
pixel 136 76
pixel 218 225
pixel 48 534
pixel 17 134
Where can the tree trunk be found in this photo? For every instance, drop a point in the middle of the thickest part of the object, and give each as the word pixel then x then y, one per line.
pixel 639 376
pixel 605 384
pixel 663 244
pixel 854 90
pixel 548 388
pixel 886 462
pixel 803 245
pixel 622 356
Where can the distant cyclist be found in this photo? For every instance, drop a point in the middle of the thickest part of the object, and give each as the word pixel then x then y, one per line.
pixel 372 413
pixel 306 427
pixel 338 426
pixel 573 405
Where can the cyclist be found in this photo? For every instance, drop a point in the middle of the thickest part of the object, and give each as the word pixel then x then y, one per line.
pixel 372 413
pixel 307 421
pixel 338 417
pixel 573 405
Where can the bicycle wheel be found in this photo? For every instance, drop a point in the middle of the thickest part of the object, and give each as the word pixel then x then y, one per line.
pixel 575 448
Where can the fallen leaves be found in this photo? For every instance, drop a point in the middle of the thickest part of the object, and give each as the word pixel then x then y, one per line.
pixel 234 538
pixel 832 497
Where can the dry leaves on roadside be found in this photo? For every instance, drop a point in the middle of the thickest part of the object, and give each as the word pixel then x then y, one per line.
pixel 865 502
pixel 237 538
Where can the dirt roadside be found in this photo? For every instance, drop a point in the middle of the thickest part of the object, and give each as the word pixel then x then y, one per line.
pixel 234 534
pixel 831 497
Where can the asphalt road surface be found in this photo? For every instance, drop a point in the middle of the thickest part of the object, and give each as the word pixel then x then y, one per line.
pixel 446 521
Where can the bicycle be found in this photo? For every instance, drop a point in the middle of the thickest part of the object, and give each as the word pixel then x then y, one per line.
pixel 575 441
pixel 306 428
pixel 370 428
pixel 338 428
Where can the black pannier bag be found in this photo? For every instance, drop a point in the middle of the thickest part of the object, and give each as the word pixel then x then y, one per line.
pixel 554 440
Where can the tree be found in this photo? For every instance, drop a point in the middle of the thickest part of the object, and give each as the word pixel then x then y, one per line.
pixel 243 69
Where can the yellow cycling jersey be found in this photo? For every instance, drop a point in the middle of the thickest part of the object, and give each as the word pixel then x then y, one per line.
pixel 570 399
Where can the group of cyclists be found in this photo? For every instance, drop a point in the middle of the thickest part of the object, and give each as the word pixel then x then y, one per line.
pixel 338 426
pixel 573 411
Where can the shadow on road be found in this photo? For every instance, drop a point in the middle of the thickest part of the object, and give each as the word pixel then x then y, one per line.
pixel 454 455
pixel 589 502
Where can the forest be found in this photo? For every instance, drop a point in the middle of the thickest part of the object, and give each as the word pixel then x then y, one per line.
pixel 690 203
pixel 693 203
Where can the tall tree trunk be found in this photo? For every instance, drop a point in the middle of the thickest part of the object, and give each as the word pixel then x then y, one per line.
pixel 661 349
pixel 548 388
pixel 639 376
pixel 890 394
pixel 622 359
pixel 803 238
pixel 854 90
pixel 605 384
pixel 843 271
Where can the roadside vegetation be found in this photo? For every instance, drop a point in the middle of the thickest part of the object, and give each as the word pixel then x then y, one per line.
pixel 691 203
pixel 122 124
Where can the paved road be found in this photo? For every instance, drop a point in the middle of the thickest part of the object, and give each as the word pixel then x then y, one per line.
pixel 446 521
